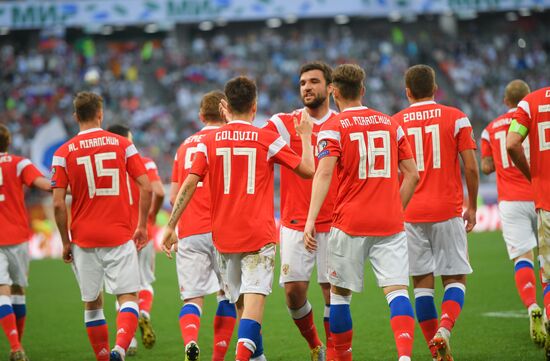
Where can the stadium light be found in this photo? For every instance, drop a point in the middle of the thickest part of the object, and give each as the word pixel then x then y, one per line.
pixel 274 23
pixel 511 16
pixel 221 22
pixel 151 28
pixel 521 43
pixel 394 16
pixel 291 19
pixel 341 19
pixel 206 26
pixel 4 31
pixel 524 12
pixel 107 30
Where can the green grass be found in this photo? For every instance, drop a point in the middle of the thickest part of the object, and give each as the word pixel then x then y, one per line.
pixel 55 328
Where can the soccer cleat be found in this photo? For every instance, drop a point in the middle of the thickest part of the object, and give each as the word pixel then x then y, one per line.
pixel 536 327
pixel 192 351
pixel 441 344
pixel 132 349
pixel 319 353
pixel 115 356
pixel 148 336
pixel 18 356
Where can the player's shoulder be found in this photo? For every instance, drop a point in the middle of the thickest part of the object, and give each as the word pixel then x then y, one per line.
pixel 538 94
pixel 285 118
pixel 451 112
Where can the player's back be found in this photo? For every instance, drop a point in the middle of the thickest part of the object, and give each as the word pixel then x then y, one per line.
pixel 437 134
pixel 196 218
pixel 94 165
pixel 240 171
pixel 534 113
pixel 511 183
pixel 369 146
pixel 15 171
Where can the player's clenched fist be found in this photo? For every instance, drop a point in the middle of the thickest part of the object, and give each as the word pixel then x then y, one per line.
pixel 169 241
pixel 67 253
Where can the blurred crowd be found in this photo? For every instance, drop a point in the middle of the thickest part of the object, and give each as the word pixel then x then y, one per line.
pixel 154 84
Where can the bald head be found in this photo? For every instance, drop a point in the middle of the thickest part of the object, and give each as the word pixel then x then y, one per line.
pixel 514 92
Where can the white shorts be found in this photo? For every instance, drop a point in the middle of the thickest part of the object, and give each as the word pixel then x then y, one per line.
pixel 146 262
pixel 197 265
pixel 543 218
pixel 14 265
pixel 116 266
pixel 297 262
pixel 250 272
pixel 519 226
pixel 347 255
pixel 440 248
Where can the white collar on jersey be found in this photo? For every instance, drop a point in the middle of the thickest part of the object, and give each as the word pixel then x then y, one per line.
pixel 208 127
pixel 511 110
pixel 423 103
pixel 352 109
pixel 324 118
pixel 3 153
pixel 239 122
pixel 91 130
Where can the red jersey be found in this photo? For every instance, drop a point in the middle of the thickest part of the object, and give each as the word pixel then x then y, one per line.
pixel 296 191
pixel 94 164
pixel 437 134
pixel 511 183
pixel 239 158
pixel 534 113
pixel 153 175
pixel 15 172
pixel 196 218
pixel 369 146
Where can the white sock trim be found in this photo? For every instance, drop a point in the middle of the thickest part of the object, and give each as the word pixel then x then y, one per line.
pixel 424 292
pixel 120 350
pixel 5 300
pixel 300 312
pixel 248 343
pixel 397 293
pixel 339 300
pixel 195 305
pixel 18 299
pixel 221 298
pixel 327 312
pixel 130 304
pixel 456 285
pixel 524 260
pixel 404 358
pixel 93 315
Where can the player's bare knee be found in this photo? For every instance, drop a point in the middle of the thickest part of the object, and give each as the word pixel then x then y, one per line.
pixel 424 281
pixel 5 290
pixel 127 297
pixel 340 291
pixel 453 279
pixel 94 305
pixel 296 294
pixel 389 289
pixel 196 300
pixel 17 290
pixel 527 255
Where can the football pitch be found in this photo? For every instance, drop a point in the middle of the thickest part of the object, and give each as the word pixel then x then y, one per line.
pixel 493 324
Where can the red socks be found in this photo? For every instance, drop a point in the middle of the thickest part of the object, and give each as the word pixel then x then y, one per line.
pixel 342 345
pixel 98 333
pixel 224 323
pixel 303 318
pixel 126 322
pixel 402 321
pixel 190 321
pixel 243 352
pixel 453 299
pixel 329 343
pixel 525 281
pixel 145 301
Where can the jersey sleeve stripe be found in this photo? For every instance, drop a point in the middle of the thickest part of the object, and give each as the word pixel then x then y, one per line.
pixel 275 147
pixel 22 165
pixel 131 151
pixel 201 147
pixel 400 133
pixel 485 135
pixel 150 165
pixel 59 161
pixel 281 128
pixel 525 106
pixel 329 134
pixel 462 123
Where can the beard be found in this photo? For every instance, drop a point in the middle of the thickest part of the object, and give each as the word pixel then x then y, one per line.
pixel 317 101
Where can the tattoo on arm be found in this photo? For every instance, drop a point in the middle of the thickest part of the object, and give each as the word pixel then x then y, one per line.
pixel 178 208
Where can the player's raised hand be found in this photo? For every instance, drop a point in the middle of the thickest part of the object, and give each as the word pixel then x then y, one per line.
pixel 224 111
pixel 140 237
pixel 304 125
pixel 469 217
pixel 67 253
pixel 169 242
pixel 309 237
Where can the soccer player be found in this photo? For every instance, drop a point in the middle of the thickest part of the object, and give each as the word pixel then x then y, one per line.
pixel 516 205
pixel 238 160
pixel 296 262
pixel 436 235
pixel 367 148
pixel 146 256
pixel 532 118
pixel 15 172
pixel 197 267
pixel 100 244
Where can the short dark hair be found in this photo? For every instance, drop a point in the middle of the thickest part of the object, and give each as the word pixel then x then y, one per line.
pixel 318 65
pixel 349 78
pixel 515 91
pixel 241 94
pixel 420 79
pixel 5 138
pixel 210 105
pixel 87 105
pixel 119 129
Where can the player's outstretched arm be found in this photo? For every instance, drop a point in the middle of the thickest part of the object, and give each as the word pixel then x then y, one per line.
pixel 410 180
pixel 304 128
pixel 42 183
pixel 182 200
pixel 61 216
pixel 321 185
pixel 158 198
pixel 487 165
pixel 514 146
pixel 471 173
pixel 145 195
